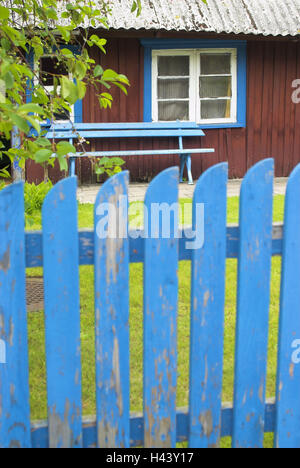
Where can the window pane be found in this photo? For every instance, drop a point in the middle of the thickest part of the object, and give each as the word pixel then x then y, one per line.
pixel 174 66
pixel 50 66
pixel 215 64
pixel 216 109
pixel 176 89
pixel 173 110
pixel 213 87
pixel 63 115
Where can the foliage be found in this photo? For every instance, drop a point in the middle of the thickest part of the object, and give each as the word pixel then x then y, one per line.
pixel 36 28
pixel 34 196
pixel 109 166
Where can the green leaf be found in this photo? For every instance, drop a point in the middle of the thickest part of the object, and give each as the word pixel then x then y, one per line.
pixel 63 31
pixel 81 89
pixel 4 13
pixel 63 163
pixel 98 70
pixel 31 107
pixel 80 70
pixel 117 161
pixel 34 123
pixel 20 122
pixel 9 80
pixel 43 142
pixel 69 90
pixel 66 52
pixel 42 155
pixel 109 75
pixel 63 148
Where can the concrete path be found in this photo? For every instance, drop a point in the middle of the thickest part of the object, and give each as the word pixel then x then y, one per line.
pixel 87 193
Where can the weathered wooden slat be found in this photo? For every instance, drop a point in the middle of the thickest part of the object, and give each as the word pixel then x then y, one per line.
pixel 119 125
pixel 159 152
pixel 121 133
pixel 14 384
pixel 62 314
pixel 254 266
pixel 34 253
pixel 287 432
pixel 207 309
pixel 112 312
pixel 160 314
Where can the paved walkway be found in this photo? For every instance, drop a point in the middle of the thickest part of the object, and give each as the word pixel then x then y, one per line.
pixel 87 193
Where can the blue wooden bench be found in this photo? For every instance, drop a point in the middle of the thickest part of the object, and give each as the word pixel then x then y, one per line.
pixel 139 130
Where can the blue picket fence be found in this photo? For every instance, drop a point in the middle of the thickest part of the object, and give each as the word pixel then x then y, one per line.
pixel 60 248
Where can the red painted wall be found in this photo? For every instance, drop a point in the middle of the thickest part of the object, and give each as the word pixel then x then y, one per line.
pixel 273 120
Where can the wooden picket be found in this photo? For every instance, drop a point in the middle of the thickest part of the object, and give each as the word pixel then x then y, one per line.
pixel 207 310
pixel 62 315
pixel 61 248
pixel 160 316
pixel 112 314
pixel 254 270
pixel 14 386
pixel 287 430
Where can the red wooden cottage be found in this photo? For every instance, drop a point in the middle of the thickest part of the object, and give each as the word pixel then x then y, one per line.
pixel 230 65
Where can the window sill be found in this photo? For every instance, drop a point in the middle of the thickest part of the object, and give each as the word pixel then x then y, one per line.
pixel 223 125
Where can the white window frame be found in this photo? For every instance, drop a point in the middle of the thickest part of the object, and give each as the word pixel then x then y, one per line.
pixel 50 88
pixel 194 95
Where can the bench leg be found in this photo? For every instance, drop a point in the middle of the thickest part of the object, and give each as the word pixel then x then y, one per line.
pixel 72 167
pixel 182 164
pixel 185 159
pixel 189 169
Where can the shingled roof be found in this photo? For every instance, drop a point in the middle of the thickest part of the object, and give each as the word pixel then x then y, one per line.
pixel 259 17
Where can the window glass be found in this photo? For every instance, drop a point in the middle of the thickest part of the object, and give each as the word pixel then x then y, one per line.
pixel 173 87
pixel 170 111
pixel 215 64
pixel 215 109
pixel 197 85
pixel 49 67
pixel 215 87
pixel 215 83
pixel 174 66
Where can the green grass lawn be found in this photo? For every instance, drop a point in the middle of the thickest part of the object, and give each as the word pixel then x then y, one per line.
pixel 36 328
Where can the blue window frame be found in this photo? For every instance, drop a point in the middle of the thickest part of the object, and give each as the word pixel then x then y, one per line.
pixel 78 105
pixel 238 96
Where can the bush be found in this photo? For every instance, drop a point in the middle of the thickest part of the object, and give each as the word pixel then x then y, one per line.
pixel 34 196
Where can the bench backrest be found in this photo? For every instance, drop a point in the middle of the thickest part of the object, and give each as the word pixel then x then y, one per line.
pixel 125 130
pixel 60 249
